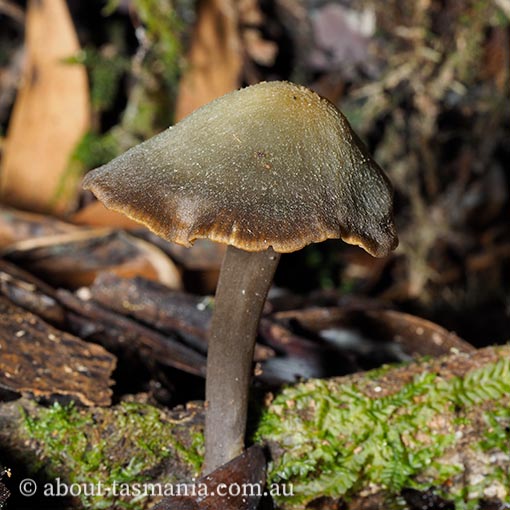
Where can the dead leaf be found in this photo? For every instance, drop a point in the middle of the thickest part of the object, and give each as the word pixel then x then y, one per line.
pixel 17 226
pixel 325 342
pixel 495 59
pixel 204 255
pixel 260 50
pixel 214 60
pixel 250 13
pixel 252 22
pixel 74 259
pixel 247 470
pixel 97 215
pixel 413 335
pixel 341 38
pixel 50 115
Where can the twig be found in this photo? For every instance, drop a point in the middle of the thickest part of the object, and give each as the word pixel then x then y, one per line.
pixel 13 11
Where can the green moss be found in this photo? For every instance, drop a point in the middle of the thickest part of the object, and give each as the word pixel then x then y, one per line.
pixel 154 73
pixel 498 430
pixel 494 443
pixel 195 456
pixel 378 373
pixel 91 151
pixel 164 29
pixel 105 71
pixel 328 438
pixel 96 150
pixel 336 440
pixel 106 447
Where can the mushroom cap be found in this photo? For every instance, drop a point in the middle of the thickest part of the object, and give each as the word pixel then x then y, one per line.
pixel 273 164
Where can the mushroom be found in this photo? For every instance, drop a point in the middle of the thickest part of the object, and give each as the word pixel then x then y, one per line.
pixel 267 169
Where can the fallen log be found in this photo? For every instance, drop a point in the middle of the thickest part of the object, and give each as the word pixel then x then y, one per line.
pixel 93 323
pixel 438 427
pixel 116 332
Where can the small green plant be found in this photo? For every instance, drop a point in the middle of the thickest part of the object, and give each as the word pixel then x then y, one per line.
pixel 106 448
pixel 328 438
pixel 336 439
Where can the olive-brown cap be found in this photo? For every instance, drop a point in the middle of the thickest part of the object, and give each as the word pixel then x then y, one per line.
pixel 273 164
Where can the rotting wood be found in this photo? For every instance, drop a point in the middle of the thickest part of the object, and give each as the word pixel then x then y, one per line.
pixel 87 320
pixel 37 359
pixel 25 290
pixel 118 332
pixel 164 309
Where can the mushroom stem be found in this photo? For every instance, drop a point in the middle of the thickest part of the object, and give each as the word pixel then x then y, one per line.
pixel 244 282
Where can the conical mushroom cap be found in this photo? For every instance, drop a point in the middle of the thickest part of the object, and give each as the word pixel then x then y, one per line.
pixel 273 164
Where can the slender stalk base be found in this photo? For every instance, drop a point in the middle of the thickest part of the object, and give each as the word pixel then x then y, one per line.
pixel 245 279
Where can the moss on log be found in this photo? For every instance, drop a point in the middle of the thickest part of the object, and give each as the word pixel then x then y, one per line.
pixel 440 425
